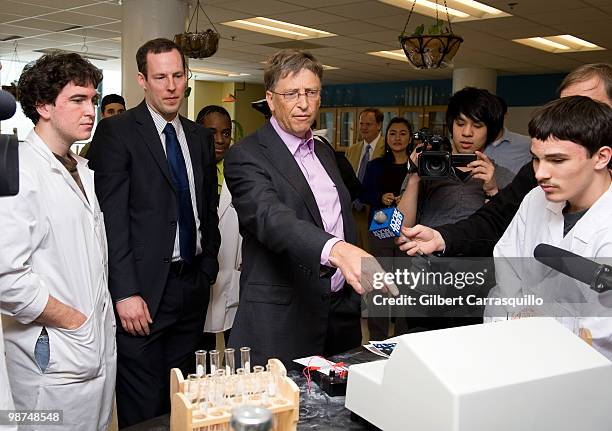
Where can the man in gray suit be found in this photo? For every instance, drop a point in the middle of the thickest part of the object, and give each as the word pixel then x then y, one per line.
pixel 295 217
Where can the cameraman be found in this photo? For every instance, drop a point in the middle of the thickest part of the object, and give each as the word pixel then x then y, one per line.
pixel 475 118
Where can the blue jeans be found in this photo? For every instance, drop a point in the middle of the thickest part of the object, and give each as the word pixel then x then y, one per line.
pixel 41 351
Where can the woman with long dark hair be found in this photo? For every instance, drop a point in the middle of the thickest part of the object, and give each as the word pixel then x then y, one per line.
pixel 381 189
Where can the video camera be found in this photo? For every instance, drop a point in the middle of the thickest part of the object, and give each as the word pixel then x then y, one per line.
pixel 436 159
pixel 9 156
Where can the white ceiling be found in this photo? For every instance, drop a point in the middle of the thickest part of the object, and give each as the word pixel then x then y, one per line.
pixel 361 26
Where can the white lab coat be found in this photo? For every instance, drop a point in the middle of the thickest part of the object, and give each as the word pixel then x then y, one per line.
pixel 224 293
pixel 540 221
pixel 53 242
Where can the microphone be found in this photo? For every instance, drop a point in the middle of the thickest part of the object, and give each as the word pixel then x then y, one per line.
pixel 387 223
pixel 8 106
pixel 597 276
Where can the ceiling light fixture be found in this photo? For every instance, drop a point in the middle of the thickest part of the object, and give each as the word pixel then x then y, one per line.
pixel 479 6
pixel 217 72
pixel 559 44
pixel 460 10
pixel 393 55
pixel 274 27
pixel 577 41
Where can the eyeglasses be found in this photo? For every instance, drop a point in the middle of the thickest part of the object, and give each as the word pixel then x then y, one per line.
pixel 292 96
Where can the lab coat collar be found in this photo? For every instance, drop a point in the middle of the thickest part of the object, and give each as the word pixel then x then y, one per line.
pixel 588 225
pixel 55 165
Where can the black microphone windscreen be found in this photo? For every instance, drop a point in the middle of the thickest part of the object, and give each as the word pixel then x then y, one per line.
pixel 566 262
pixel 8 106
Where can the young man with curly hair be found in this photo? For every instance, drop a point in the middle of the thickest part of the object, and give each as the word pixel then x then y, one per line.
pixel 58 318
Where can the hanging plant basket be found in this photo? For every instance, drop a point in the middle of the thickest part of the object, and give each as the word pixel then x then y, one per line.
pixel 198 44
pixel 431 51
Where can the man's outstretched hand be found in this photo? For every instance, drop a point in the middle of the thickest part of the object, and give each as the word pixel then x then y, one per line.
pixel 348 259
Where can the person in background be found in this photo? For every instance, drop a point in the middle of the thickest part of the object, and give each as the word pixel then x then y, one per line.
pixel 382 189
pixel 474 117
pixel 59 326
pixel 371 146
pixel 510 150
pixel 384 177
pixel 218 121
pixel 224 294
pixel 112 104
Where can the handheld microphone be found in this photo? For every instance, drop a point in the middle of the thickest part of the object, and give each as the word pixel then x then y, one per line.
pixel 8 106
pixel 597 276
pixel 387 223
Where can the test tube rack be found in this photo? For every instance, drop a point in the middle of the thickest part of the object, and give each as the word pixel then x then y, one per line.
pixel 186 415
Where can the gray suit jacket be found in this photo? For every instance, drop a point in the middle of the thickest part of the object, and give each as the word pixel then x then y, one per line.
pixel 284 291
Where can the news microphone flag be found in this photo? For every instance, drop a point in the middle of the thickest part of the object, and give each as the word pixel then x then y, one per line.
pixel 387 223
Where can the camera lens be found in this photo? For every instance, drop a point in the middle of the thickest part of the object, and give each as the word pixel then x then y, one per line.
pixel 436 165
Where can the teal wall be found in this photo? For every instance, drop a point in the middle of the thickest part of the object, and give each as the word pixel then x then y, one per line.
pixel 523 90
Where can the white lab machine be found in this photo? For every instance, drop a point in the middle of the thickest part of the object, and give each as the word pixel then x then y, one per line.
pixel 528 374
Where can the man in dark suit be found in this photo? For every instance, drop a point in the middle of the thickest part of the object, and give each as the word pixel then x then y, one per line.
pixel 295 217
pixel 156 181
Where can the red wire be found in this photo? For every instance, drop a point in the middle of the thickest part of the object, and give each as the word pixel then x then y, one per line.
pixel 306 371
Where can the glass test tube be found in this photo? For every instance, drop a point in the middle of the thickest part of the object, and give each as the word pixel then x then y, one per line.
pixel 245 359
pixel 272 381
pixel 240 387
pixel 230 361
pixel 215 361
pixel 200 362
pixel 192 383
pixel 258 380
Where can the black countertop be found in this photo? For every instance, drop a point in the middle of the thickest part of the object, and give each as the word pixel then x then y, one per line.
pixel 318 411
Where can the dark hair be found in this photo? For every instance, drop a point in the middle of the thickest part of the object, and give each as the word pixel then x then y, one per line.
pixel 41 81
pixel 603 71
pixel 111 98
pixel 478 105
pixel 578 119
pixel 288 61
pixel 378 115
pixel 212 109
pixel 155 46
pixel 503 104
pixel 398 120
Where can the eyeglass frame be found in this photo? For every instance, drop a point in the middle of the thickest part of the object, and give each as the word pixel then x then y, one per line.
pixel 297 94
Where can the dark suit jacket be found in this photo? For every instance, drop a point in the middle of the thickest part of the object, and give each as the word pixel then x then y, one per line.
pixel 284 291
pixel 139 203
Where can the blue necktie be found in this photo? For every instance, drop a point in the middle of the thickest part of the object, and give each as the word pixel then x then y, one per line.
pixel 364 162
pixel 361 174
pixel 178 172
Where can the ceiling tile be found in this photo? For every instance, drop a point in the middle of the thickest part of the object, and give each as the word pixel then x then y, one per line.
pixel 261 7
pixel 107 10
pixel 363 9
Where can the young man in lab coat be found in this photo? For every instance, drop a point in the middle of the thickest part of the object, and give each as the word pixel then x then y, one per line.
pixel 59 326
pixel 570 143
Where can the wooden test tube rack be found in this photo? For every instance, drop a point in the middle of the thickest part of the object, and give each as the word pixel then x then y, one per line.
pixel 186 416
